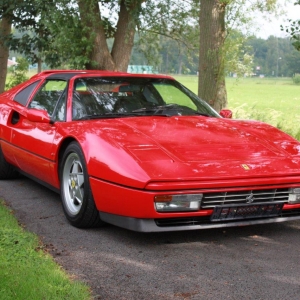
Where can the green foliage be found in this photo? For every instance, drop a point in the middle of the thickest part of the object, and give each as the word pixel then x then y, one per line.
pixel 168 31
pixel 165 53
pixel 22 13
pixel 293 29
pixel 19 73
pixel 238 56
pixel 241 17
pixel 169 28
pixel 274 56
pixel 26 271
pixel 296 79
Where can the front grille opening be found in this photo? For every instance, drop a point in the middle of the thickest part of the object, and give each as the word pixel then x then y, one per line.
pixel 168 222
pixel 210 200
pixel 182 222
pixel 266 197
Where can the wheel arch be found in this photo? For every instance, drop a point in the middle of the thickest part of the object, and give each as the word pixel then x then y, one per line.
pixel 76 195
pixel 62 148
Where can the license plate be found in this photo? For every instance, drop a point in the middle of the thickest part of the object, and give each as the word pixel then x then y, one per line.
pixel 239 212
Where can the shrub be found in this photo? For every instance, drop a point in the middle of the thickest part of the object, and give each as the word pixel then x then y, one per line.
pixel 19 74
pixel 296 79
pixel 270 116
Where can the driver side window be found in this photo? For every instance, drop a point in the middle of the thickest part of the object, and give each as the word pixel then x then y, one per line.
pixel 48 95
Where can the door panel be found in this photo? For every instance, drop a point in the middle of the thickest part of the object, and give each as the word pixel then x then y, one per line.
pixel 32 144
pixel 32 140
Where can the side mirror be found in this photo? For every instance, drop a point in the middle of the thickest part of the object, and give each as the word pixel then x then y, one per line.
pixel 226 113
pixel 37 115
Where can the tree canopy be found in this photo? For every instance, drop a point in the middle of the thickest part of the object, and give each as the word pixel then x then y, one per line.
pixel 294 30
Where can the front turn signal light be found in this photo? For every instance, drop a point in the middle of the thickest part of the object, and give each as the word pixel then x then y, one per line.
pixel 178 203
pixel 294 195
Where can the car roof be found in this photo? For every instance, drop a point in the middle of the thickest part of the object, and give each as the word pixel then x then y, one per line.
pixel 67 74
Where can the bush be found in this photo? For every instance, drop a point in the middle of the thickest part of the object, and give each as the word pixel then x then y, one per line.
pixel 19 73
pixel 296 79
pixel 270 116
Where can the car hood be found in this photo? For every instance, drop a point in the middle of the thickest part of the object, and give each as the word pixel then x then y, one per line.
pixel 193 148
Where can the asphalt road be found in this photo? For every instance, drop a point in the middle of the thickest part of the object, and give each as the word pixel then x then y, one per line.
pixel 255 262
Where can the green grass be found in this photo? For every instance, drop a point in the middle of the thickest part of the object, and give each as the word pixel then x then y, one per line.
pixel 275 101
pixel 26 271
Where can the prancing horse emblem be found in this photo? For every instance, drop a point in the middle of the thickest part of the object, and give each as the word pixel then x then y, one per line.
pixel 245 167
pixel 250 198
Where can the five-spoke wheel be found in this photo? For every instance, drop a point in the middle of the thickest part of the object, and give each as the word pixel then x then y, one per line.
pixel 73 181
pixel 77 199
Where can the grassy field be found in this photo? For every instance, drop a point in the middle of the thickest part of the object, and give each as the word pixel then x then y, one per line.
pixel 275 101
pixel 26 271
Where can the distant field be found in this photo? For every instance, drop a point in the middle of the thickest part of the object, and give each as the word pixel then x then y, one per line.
pixel 275 101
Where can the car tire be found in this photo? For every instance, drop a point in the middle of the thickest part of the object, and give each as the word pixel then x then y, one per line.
pixel 7 171
pixel 77 200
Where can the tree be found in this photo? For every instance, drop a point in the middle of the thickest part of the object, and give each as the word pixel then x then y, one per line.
pixel 20 13
pixel 293 62
pixel 294 30
pixel 211 86
pixel 217 18
pixel 100 35
pixel 5 29
pixel 166 54
pixel 19 73
pixel 76 32
pixel 81 37
pixel 33 39
pixel 150 19
pixel 99 56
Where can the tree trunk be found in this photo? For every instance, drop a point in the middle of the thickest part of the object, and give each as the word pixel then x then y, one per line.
pixel 5 30
pixel 100 57
pixel 124 38
pixel 180 63
pixel 39 65
pixel 212 86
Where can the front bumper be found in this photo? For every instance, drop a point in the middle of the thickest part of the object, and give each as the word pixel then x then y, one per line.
pixel 180 224
pixel 134 209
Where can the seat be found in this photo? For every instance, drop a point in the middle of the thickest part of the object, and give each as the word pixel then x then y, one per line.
pixel 127 104
pixel 78 109
pixel 91 105
pixel 85 104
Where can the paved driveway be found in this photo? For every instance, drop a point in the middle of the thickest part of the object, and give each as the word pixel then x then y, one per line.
pixel 257 262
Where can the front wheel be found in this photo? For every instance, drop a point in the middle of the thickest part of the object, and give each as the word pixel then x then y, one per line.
pixel 77 200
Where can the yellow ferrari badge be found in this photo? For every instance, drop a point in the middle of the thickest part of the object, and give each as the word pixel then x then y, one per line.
pixel 245 167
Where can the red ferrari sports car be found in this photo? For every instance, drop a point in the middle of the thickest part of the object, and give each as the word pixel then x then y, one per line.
pixel 144 153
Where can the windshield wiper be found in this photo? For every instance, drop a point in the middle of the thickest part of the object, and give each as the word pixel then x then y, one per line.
pixel 201 114
pixel 119 114
pixel 158 108
pixel 169 107
pixel 107 115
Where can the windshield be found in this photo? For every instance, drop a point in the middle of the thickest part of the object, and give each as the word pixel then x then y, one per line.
pixel 96 97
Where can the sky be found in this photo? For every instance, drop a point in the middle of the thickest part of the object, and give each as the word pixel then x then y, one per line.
pixel 272 26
